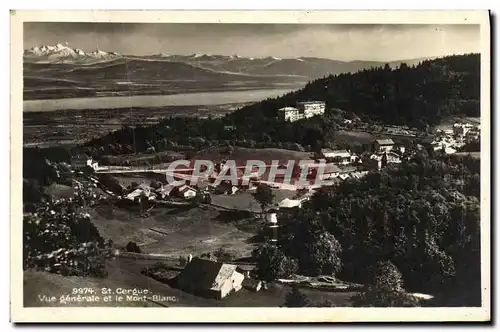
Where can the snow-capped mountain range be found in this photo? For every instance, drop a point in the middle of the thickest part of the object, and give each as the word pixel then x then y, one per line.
pixel 54 53
pixel 304 67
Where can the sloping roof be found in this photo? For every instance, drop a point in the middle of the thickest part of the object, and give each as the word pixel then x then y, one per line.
pixel 289 203
pixel 386 141
pixel 288 108
pixel 331 168
pixel 310 102
pixel 134 194
pixel 184 188
pixel 338 153
pixel 144 186
pixel 206 274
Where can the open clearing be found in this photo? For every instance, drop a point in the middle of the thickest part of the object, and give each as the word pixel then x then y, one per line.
pixel 242 155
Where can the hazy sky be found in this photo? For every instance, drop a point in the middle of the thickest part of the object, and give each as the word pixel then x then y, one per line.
pixel 334 41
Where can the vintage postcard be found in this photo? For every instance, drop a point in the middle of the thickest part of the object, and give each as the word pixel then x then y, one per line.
pixel 324 166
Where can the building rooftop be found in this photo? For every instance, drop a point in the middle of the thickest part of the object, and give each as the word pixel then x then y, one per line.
pixel 310 102
pixel 206 274
pixel 342 153
pixel 288 108
pixel 385 141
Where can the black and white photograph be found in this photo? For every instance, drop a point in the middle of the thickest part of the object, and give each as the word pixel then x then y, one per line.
pixel 269 164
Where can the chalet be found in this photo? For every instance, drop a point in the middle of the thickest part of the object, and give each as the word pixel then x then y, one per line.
pixel 140 192
pixel 382 145
pixel 379 160
pixel 331 171
pixel 290 203
pixel 393 158
pixel 184 191
pixel 343 157
pixel 328 170
pixel 210 279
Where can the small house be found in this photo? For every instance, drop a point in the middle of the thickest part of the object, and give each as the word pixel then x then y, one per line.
pixel 331 171
pixel 382 145
pixel 184 191
pixel 210 279
pixel 290 114
pixel 290 203
pixel 342 157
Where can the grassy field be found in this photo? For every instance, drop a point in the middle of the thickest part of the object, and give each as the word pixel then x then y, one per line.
pixel 241 155
pixel 183 230
pixel 343 137
pixel 172 232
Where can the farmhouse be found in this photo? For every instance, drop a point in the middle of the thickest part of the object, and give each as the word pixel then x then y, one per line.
pixel 186 191
pixel 343 157
pixel 382 145
pixel 210 279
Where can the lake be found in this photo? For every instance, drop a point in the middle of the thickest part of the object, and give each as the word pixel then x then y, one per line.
pixel 184 99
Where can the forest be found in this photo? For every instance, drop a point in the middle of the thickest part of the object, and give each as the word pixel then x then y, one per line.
pixel 418 96
pixel 422 218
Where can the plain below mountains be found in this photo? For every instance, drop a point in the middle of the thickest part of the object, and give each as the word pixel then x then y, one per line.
pixel 59 71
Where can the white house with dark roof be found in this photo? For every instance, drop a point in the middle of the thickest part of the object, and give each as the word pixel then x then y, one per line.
pixel 210 279
pixel 382 145
pixel 342 157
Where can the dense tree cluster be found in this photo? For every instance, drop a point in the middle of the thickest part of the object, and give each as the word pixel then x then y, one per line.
pixel 386 289
pixel 60 238
pixel 423 216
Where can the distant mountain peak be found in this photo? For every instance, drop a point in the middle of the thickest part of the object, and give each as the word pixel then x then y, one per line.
pixel 63 52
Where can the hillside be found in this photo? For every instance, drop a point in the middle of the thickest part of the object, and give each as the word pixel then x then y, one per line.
pixel 136 77
pixel 60 71
pixel 415 96
pixel 307 67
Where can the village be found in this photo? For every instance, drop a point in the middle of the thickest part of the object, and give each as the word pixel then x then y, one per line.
pixel 215 276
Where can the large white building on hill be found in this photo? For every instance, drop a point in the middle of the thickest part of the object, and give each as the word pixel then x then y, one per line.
pixel 304 110
pixel 311 108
